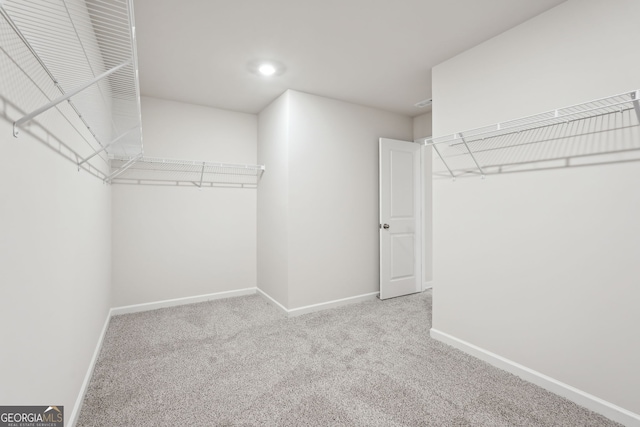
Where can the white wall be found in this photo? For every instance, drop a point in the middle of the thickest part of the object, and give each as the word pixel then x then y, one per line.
pixel 171 242
pixel 55 262
pixel 422 125
pixel 333 197
pixel 318 212
pixel 273 200
pixel 542 267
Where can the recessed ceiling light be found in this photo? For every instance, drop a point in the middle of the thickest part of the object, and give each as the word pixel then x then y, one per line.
pixel 267 69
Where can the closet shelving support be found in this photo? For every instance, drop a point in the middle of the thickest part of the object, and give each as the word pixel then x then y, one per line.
pixel 73 64
pixel 554 135
pixel 158 171
pixel 84 53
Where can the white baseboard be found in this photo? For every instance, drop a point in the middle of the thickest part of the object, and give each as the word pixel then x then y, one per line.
pixel 87 378
pixel 273 301
pixel 318 307
pixel 427 285
pixel 136 308
pixel 332 304
pixel 580 397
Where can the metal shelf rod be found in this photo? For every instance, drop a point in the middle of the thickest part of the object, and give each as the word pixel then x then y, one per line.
pixel 86 56
pixel 26 43
pixel 106 146
pixel 65 97
pixel 122 169
pixel 445 163
pixel 472 156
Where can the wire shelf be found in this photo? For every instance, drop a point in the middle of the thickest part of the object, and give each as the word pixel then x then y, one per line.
pixel 81 56
pixel 157 171
pixel 601 127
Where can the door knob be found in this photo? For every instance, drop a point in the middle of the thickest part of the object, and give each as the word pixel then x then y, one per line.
pixel 385 226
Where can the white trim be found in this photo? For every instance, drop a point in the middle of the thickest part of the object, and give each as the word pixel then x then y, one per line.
pixel 318 307
pixel 136 308
pixel 332 304
pixel 422 217
pixel 427 285
pixel 87 377
pixel 273 301
pixel 589 401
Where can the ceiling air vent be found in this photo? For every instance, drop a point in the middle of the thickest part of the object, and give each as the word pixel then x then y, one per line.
pixel 424 103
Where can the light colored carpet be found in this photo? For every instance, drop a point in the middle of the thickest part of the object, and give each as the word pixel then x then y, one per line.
pixel 239 362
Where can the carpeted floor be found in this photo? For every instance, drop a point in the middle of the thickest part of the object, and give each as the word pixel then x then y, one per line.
pixel 240 362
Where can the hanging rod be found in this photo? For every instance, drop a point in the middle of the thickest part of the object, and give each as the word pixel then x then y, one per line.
pixel 508 134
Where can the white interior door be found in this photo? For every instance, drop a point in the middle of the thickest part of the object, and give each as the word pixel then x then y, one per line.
pixel 400 218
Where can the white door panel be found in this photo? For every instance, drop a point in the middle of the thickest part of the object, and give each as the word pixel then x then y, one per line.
pixel 400 218
pixel 401 175
pixel 402 256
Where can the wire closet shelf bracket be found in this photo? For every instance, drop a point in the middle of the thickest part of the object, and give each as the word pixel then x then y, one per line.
pixel 80 58
pixel 69 78
pixel 556 138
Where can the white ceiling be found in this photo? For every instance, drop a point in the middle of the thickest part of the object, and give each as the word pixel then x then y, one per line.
pixel 377 53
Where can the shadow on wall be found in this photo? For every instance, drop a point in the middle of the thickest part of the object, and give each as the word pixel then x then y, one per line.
pixel 612 137
pixel 41 133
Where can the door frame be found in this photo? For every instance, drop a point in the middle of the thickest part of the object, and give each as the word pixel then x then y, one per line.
pixel 425 284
